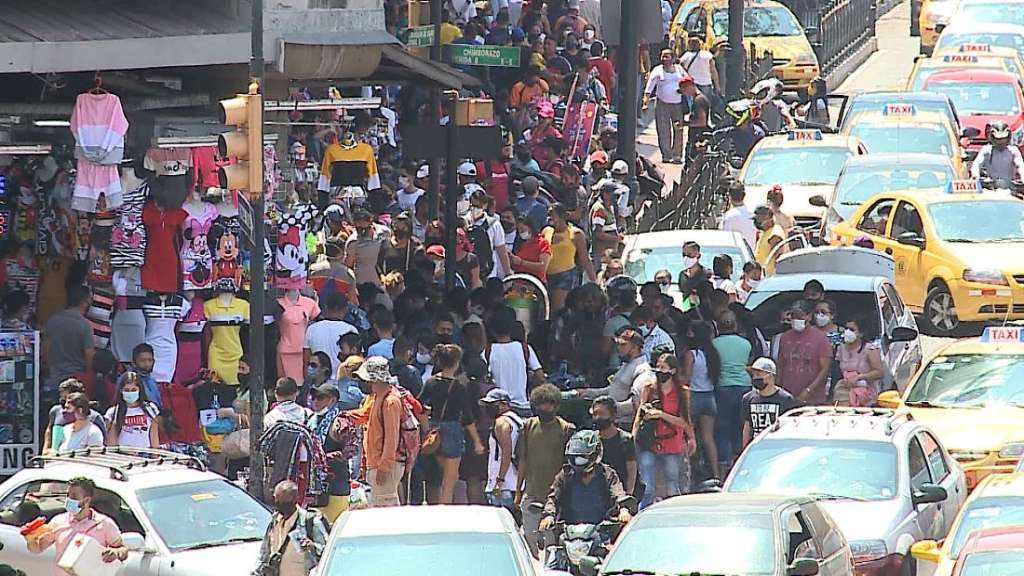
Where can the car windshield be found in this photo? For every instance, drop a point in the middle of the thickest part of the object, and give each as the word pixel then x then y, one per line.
pixel 993 512
pixel 858 183
pixel 979 98
pixel 991 12
pixel 775 166
pixel 759 21
pixel 204 514
pixel 967 380
pixel 994 563
pixel 856 469
pixel 953 39
pixel 643 263
pixel 992 221
pixel 435 554
pixel 907 138
pixel 698 541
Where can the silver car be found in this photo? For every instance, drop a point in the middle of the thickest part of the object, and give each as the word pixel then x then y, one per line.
pixel 884 477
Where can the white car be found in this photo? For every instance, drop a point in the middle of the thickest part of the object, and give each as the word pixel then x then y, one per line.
pixel 175 517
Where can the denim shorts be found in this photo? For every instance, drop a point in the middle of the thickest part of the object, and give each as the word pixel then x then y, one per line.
pixel 703 403
pixel 567 280
pixel 453 439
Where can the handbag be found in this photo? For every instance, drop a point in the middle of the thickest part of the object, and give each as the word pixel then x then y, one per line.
pixel 236 444
pixel 432 441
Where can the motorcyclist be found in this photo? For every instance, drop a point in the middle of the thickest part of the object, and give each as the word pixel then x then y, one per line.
pixel 585 489
pixel 774 111
pixel 997 159
pixel 744 132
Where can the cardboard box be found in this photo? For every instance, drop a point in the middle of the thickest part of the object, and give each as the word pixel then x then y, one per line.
pixel 84 557
pixel 474 112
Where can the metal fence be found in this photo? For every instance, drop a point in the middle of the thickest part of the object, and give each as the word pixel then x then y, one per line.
pixel 843 26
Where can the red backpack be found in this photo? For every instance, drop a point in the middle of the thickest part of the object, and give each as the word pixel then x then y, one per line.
pixel 412 410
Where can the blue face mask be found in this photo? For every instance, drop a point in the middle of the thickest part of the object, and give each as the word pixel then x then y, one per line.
pixel 73 506
pixel 130 396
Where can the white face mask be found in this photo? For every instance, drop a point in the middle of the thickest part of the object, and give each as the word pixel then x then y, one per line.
pixel 525 235
pixel 664 287
pixel 798 324
pixel 476 212
pixel 689 262
pixel 422 358
pixel 752 283
pixel 403 181
pixel 822 320
pixel 849 336
pixel 644 330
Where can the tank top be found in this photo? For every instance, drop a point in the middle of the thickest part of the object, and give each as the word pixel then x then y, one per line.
pixel 700 381
pixel 494 455
pixel 563 250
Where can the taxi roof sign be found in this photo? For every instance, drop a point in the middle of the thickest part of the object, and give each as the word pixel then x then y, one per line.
pixel 1002 334
pixel 975 47
pixel 804 135
pixel 960 58
pixel 964 186
pixel 899 109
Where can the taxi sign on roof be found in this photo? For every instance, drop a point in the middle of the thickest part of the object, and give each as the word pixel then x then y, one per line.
pixel 975 47
pixel 964 186
pixel 960 58
pixel 802 135
pixel 899 109
pixel 1002 334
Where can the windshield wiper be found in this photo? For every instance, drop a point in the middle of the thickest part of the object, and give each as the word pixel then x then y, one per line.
pixel 824 496
pixel 628 572
pixel 961 240
pixel 924 404
pixel 239 540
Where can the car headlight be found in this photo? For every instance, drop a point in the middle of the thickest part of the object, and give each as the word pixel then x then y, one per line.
pixel 868 550
pixel 805 59
pixel 1012 450
pixel 1017 137
pixel 986 276
pixel 576 550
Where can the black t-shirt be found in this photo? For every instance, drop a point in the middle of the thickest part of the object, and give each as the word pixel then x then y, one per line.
pixel 447 407
pixel 339 483
pixel 408 377
pixel 618 450
pixel 400 259
pixel 763 411
pixel 465 267
pixel 204 393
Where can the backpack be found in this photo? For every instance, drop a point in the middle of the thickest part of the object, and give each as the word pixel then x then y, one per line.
pixel 478 234
pixel 409 430
pixel 518 423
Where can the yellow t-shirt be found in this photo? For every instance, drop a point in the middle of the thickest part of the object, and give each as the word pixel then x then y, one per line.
pixel 563 249
pixel 764 248
pixel 226 345
pixel 449 32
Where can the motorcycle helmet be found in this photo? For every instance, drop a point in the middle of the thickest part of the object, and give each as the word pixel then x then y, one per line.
pixel 739 111
pixel 621 289
pixel 767 89
pixel 584 451
pixel 998 133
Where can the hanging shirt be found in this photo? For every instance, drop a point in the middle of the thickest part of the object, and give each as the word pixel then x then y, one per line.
pixel 225 242
pixel 360 152
pixel 292 251
pixel 128 237
pixel 99 125
pixel 225 320
pixel 196 257
pixel 162 312
pixel 161 267
pixel 294 321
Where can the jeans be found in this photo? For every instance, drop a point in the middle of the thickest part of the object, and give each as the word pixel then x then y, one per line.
pixel 729 424
pixel 531 524
pixel 648 463
pixel 506 499
pixel 668 119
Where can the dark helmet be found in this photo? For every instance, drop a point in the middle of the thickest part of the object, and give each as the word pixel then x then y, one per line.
pixel 998 133
pixel 621 288
pixel 583 452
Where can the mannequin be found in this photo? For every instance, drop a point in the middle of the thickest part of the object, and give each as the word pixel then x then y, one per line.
pixel 299 311
pixel 190 339
pixel 163 226
pixel 128 324
pixel 163 312
pixel 225 315
pixel 349 149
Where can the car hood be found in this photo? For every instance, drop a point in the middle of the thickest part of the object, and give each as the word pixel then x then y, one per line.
pixel 863 520
pixel 983 429
pixel 796 203
pixel 999 255
pixel 783 47
pixel 231 560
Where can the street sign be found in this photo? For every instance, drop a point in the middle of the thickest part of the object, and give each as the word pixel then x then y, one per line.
pixel 420 36
pixel 473 55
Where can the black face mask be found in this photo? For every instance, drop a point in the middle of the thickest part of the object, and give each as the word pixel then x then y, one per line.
pixel 243 379
pixel 759 383
pixel 545 415
pixel 601 423
pixel 286 509
pixel 663 376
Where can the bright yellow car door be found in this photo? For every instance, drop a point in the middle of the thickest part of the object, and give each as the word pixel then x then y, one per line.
pixel 910 254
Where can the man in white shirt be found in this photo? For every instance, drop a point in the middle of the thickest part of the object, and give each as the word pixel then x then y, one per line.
pixel 663 85
pixel 512 363
pixel 739 218
pixel 409 190
pixel 700 64
pixel 499 250
pixel 323 335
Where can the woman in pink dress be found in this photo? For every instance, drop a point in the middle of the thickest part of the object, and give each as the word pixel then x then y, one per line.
pixel 299 311
pixel 860 363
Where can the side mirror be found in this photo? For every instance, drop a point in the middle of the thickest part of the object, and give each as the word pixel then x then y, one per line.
pixel 911 239
pixel 927 550
pixel 736 162
pixel 817 200
pixel 710 486
pixel 970 132
pixel 889 399
pixel 136 542
pixel 903 334
pixel 939 27
pixel 590 565
pixel 928 494
pixel 803 567
pixel 536 507
pixel 812 34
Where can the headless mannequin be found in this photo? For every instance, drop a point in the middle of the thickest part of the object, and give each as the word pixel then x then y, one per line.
pixel 226 207
pixel 292 295
pixel 194 205
pixel 225 298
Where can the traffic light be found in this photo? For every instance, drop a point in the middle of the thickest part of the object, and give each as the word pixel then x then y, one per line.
pixel 245 144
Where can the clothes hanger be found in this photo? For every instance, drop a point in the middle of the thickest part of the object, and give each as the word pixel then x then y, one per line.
pixel 97 87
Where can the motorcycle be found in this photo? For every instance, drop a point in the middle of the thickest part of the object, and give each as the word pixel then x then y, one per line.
pixel 574 542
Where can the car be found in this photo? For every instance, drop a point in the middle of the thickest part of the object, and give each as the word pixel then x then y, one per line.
pixel 427 541
pixel 932 14
pixel 768 25
pixel 864 176
pixel 992 58
pixel 722 533
pixel 922 102
pixel 901 128
pixel 647 253
pixel 992 551
pixel 997 502
pixel 174 515
pixel 983 97
pixel 984 12
pixel 856 279
pixel 957 255
pixel 820 156
pixel 882 475
pixel 958 34
pixel 972 394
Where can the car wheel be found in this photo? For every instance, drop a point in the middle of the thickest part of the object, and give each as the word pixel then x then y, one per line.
pixel 908 568
pixel 940 312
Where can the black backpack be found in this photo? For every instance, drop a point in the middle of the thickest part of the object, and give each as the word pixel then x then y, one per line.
pixel 482 246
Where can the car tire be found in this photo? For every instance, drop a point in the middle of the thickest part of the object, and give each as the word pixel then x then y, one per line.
pixel 915 17
pixel 908 567
pixel 939 312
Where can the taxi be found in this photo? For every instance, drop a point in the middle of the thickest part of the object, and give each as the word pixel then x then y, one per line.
pixel 960 33
pixel 820 157
pixel 998 501
pixel 982 97
pixel 768 25
pixel 957 253
pixel 971 393
pixel 933 13
pixel 899 128
pixel 992 58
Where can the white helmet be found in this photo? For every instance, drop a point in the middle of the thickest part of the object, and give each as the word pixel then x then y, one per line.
pixel 768 89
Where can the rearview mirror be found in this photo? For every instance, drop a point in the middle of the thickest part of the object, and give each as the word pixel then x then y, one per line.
pixel 736 162
pixel 928 494
pixel 710 486
pixel 911 239
pixel 803 567
pixel 589 565
pixel 889 399
pixel 135 542
pixel 927 550
pixel 812 34
pixel 903 334
pixel 817 200
pixel 970 132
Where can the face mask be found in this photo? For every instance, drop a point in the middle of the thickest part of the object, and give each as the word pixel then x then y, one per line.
pixel 822 320
pixel 142 372
pixel 476 212
pixel 525 235
pixel 580 461
pixel 689 262
pixel 664 287
pixel 73 506
pixel 286 509
pixel 601 423
pixel 545 415
pixel 422 358
pixel 444 338
pixel 403 181
pixel 508 227
pixel 243 379
pixel 644 330
pixel 758 383
pixel 311 371
pixel 588 34
pixel 849 336
pixel 130 396
pixel 799 324
pixel 663 376
pixel 752 283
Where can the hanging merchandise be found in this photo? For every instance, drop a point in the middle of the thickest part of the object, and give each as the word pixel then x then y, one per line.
pixel 161 268
pixel 101 309
pixel 298 312
pixel 128 325
pixel 128 237
pixel 19 400
pixel 100 271
pixel 271 172
pixel 99 125
pixel 162 313
pixel 225 315
pixel 81 229
pixel 173 181
pixel 348 151
pixel 206 167
pixel 196 256
pixel 224 240
pixel 190 339
pixel 292 250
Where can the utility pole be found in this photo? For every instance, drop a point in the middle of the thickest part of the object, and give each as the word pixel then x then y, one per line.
pixel 735 67
pixel 629 58
pixel 451 215
pixel 257 394
pixel 434 192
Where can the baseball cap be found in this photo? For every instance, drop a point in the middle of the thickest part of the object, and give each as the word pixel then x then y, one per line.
pixel 686 79
pixel 327 388
pixel 599 156
pixel 334 212
pixel 467 169
pixel 620 167
pixel 436 250
pixel 764 365
pixel 423 171
pixel 496 395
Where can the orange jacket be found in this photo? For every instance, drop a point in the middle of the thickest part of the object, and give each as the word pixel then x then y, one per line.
pixel 383 431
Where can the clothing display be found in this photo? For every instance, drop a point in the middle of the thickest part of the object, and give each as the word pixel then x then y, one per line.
pixel 294 321
pixel 355 152
pixel 128 236
pixel 162 313
pixel 99 126
pixel 190 341
pixel 224 241
pixel 128 325
pixel 161 269
pixel 292 249
pixel 225 315
pixel 196 257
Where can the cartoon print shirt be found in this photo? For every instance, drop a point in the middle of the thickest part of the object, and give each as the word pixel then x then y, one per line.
pixel 196 253
pixel 161 268
pixel 292 250
pixel 225 240
pixel 128 238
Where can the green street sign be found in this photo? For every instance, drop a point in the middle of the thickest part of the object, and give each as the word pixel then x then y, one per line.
pixel 420 36
pixel 472 55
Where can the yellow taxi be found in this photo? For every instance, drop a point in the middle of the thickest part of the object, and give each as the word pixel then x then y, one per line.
pixel 997 502
pixel 958 253
pixel 900 128
pixel 971 393
pixel 820 157
pixel 768 25
pixel 994 58
pixel 932 13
